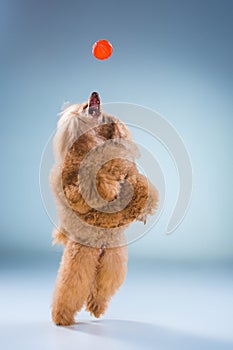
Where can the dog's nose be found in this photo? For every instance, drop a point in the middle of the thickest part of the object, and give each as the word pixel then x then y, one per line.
pixel 95 94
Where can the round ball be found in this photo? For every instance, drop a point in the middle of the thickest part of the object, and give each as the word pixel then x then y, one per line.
pixel 102 49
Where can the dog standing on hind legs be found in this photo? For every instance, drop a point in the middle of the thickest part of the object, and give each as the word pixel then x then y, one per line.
pixel 94 261
pixel 86 276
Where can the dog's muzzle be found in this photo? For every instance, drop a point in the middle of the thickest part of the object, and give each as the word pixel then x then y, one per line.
pixel 94 105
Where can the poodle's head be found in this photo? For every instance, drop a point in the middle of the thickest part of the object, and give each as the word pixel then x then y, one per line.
pixel 90 108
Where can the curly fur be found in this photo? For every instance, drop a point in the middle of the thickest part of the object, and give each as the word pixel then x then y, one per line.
pixel 94 262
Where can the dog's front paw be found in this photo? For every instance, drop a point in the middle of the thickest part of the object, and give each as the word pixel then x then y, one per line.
pixel 142 217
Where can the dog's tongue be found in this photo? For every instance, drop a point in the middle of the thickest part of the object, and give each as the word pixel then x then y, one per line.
pixel 94 105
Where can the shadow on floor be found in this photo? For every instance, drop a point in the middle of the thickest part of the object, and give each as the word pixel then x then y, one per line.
pixel 147 336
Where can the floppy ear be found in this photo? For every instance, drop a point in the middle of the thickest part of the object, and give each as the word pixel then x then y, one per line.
pixel 65 136
pixel 68 129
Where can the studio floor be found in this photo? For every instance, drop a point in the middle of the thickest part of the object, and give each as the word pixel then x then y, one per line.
pixel 158 307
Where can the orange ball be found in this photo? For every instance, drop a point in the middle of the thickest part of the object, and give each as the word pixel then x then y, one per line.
pixel 102 49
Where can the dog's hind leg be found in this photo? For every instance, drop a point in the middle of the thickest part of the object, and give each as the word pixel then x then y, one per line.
pixel 110 275
pixel 76 274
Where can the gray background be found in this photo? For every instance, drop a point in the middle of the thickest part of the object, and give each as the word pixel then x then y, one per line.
pixel 175 57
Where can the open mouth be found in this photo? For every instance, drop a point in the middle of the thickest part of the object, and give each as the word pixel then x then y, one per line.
pixel 94 105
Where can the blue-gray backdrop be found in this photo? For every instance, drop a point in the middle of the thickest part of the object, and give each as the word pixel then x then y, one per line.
pixel 175 57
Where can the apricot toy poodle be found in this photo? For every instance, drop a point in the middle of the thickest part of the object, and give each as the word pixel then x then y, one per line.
pixel 98 192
